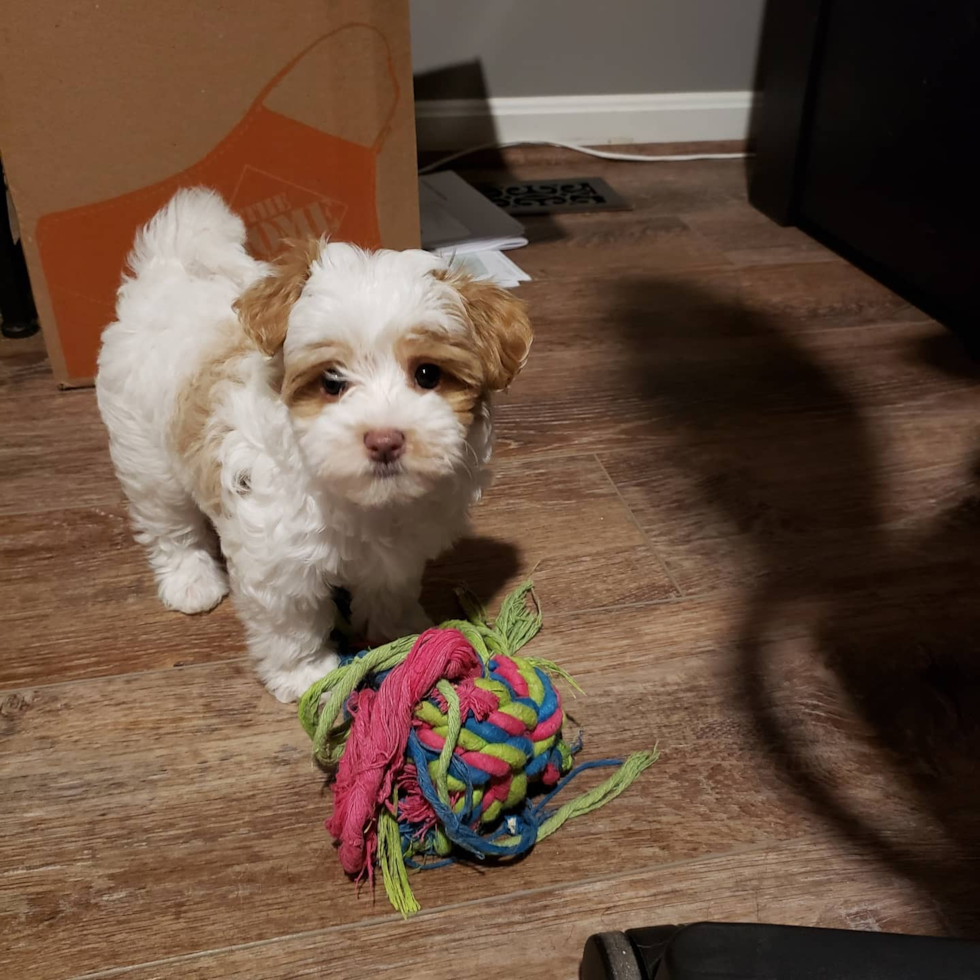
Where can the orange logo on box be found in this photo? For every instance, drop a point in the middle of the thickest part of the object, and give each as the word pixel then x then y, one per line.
pixel 274 210
pixel 287 179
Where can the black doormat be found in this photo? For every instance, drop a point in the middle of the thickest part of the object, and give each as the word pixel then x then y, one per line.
pixel 565 195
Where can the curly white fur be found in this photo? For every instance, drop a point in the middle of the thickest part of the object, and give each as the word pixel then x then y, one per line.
pixel 297 504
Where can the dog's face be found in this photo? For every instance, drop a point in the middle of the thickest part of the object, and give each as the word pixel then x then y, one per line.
pixel 388 363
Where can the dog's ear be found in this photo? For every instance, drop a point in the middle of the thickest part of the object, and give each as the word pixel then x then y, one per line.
pixel 501 329
pixel 263 308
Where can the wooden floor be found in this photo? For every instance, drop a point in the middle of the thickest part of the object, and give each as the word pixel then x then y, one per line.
pixel 747 477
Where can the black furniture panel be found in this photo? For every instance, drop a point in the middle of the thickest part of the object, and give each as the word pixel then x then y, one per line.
pixel 732 951
pixel 867 138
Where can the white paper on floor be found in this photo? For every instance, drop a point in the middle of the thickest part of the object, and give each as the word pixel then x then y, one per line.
pixel 492 266
pixel 458 218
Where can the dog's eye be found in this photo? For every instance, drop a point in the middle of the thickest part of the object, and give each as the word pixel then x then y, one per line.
pixel 427 375
pixel 333 383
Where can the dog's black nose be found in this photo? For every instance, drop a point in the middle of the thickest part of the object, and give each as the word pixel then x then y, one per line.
pixel 384 445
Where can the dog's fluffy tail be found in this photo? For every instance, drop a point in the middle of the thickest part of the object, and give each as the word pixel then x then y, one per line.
pixel 198 230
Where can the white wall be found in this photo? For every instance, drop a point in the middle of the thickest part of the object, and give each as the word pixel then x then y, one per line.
pixel 605 71
pixel 584 47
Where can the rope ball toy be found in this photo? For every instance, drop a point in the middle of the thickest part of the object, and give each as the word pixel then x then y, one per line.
pixel 449 745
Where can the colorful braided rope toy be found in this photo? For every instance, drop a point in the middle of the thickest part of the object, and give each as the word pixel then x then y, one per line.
pixel 436 742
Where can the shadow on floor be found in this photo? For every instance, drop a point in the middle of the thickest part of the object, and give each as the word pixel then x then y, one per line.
pixel 482 565
pixel 875 719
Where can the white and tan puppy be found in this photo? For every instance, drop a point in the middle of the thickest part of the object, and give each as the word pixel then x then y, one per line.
pixel 329 415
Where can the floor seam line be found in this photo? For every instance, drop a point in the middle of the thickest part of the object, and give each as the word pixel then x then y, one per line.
pixel 646 537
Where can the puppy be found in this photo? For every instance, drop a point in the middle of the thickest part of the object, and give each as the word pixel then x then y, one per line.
pixel 329 415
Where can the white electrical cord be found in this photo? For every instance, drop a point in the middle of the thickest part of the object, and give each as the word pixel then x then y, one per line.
pixel 591 151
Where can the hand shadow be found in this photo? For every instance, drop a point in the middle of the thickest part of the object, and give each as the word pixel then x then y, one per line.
pixel 875 720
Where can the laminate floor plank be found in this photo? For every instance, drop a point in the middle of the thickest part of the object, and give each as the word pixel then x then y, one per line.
pixel 744 477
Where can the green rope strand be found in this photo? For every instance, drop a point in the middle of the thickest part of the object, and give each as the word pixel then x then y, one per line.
pixel 452 738
pixel 391 861
pixel 517 622
pixel 600 795
pixel 596 797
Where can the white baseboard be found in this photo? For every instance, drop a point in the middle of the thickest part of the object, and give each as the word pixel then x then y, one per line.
pixel 680 117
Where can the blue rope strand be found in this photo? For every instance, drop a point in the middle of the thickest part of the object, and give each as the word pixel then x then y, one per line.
pixel 565 780
pixel 453 827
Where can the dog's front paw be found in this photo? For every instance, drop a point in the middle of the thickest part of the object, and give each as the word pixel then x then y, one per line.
pixel 292 684
pixel 191 582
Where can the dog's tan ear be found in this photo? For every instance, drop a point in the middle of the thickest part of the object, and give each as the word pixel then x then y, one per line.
pixel 263 308
pixel 501 328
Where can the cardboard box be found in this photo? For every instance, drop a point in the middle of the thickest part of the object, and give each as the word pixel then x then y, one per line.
pixel 299 112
